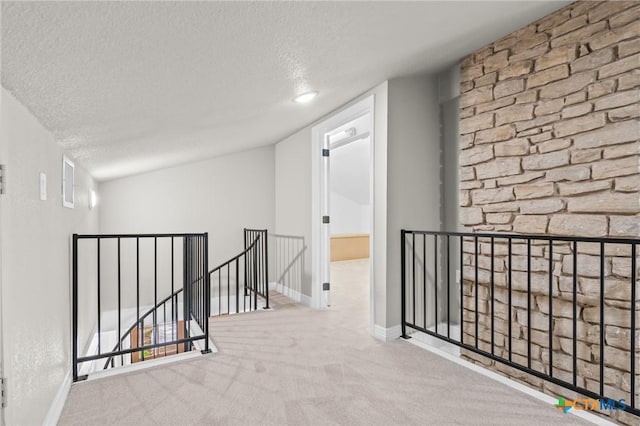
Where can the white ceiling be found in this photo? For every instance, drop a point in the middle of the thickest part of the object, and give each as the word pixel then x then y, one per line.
pixel 128 87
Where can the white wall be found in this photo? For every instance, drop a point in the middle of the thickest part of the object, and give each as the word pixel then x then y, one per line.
pixel 36 269
pixel 350 187
pixel 293 200
pixel 413 171
pixel 220 196
pixel 348 216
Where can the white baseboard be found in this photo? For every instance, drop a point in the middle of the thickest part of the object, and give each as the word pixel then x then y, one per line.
pixel 55 410
pixel 387 334
pixel 434 342
pixel 184 356
pixel 291 293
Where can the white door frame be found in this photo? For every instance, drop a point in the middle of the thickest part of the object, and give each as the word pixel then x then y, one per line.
pixel 320 239
pixel 2 197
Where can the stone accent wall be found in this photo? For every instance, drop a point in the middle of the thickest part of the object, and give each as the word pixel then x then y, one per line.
pixel 550 144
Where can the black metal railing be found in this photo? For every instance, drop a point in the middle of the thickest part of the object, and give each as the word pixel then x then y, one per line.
pixel 563 309
pixel 119 279
pixel 143 324
pixel 289 263
pixel 241 283
pixel 259 261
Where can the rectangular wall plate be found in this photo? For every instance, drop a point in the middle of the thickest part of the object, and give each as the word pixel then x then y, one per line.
pixel 3 179
pixel 43 187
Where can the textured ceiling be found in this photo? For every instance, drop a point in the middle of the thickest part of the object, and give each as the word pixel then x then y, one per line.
pixel 133 86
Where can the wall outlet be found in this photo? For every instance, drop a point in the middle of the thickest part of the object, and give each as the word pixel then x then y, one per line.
pixel 43 187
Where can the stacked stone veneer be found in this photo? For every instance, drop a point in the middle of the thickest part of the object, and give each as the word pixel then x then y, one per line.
pixel 550 145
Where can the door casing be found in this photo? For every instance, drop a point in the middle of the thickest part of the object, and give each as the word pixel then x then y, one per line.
pixel 320 233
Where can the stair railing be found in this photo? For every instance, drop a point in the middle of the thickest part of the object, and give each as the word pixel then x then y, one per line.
pixel 148 264
pixel 237 283
pixel 163 329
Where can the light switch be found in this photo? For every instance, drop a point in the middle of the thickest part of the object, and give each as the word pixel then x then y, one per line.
pixel 43 187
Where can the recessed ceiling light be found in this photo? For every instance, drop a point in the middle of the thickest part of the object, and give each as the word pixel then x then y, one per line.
pixel 305 97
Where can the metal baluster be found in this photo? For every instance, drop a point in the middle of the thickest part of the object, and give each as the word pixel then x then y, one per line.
pixel 575 311
pixel 602 330
pixel 492 296
pixel 155 292
pixel 529 302
pixel 633 325
pixel 99 304
pixel 403 290
pixel 237 287
pixel 413 276
pixel 185 287
pixel 119 304
pixel 509 296
pixel 266 267
pixel 551 308
pixel 207 289
pixel 435 276
pixel 424 280
pixel 75 308
pixel 476 288
pixel 174 300
pixel 140 336
pixel 255 276
pixel 461 301
pixel 448 287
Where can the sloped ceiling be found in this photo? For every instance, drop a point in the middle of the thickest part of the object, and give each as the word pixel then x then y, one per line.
pixel 350 171
pixel 134 86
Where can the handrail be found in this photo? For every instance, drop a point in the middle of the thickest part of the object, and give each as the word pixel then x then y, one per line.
pixel 250 277
pixel 108 236
pixel 166 299
pixel 138 321
pixel 234 258
pixel 565 238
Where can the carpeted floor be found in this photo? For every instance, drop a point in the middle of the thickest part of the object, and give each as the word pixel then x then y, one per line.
pixel 298 366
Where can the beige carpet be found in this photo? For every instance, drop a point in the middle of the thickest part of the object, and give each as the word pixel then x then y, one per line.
pixel 298 366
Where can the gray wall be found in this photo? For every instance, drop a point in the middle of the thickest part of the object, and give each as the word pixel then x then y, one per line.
pixel 293 206
pixel 449 95
pixel 221 196
pixel 36 263
pixel 413 172
pixel 449 90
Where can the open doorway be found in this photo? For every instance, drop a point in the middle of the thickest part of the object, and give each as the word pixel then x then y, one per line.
pixel 342 252
pixel 350 214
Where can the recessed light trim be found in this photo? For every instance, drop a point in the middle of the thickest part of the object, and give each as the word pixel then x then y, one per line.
pixel 305 97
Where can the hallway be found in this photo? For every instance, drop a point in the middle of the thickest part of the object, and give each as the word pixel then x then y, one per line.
pixel 295 365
